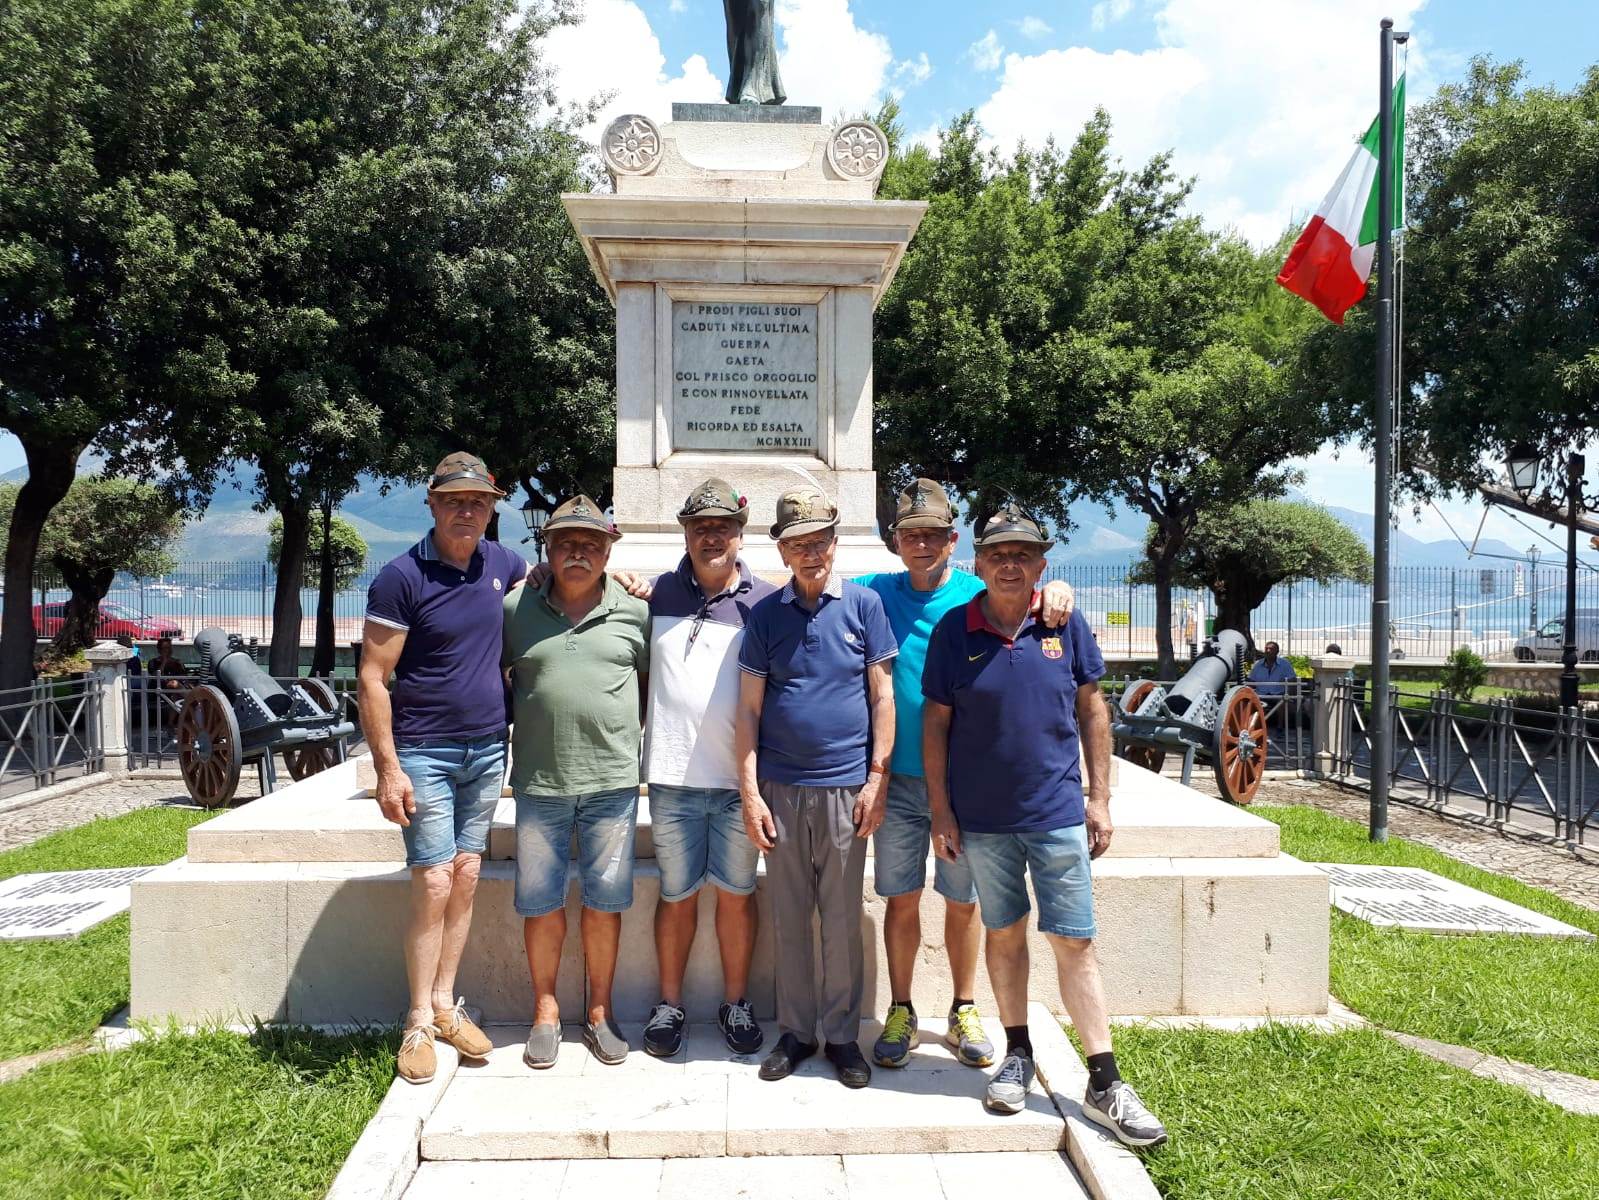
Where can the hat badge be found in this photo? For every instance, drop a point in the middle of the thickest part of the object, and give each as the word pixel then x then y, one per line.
pixel 803 506
pixel 919 499
pixel 582 510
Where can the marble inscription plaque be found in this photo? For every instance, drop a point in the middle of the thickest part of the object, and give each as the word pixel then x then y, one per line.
pixel 744 376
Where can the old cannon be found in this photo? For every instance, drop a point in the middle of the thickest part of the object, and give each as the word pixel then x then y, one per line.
pixel 1209 711
pixel 242 714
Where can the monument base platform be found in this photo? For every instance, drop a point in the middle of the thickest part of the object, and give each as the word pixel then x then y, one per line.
pixel 291 909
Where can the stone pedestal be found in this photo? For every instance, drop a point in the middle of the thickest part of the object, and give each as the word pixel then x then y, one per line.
pixel 109 663
pixel 745 254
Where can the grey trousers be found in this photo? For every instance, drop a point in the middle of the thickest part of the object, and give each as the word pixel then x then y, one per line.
pixel 816 866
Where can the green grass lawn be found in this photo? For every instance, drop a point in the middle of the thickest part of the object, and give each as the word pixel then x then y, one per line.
pixel 214 1115
pixel 1293 1114
pixel 1532 999
pixel 56 992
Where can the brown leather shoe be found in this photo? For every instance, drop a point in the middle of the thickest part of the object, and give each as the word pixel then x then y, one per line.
pixel 456 1027
pixel 417 1060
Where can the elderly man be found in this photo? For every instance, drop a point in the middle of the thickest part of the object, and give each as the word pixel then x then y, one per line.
pixel 1004 698
pixel 815 729
pixel 915 599
pixel 697 616
pixel 575 647
pixel 438 740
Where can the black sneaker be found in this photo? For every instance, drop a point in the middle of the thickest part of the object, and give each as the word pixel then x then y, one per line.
pixel 737 1020
pixel 663 1032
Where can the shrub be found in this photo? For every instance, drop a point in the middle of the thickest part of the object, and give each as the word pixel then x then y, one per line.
pixel 1464 672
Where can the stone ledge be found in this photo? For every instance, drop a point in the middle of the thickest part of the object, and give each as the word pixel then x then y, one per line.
pixel 751 114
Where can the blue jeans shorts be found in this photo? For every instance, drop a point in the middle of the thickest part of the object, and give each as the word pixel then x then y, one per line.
pixel 456 784
pixel 604 824
pixel 699 835
pixel 900 845
pixel 1057 859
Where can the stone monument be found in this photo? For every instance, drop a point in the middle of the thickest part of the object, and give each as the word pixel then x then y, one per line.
pixel 745 251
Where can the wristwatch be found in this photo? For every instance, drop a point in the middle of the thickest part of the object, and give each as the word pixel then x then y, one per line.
pixel 874 769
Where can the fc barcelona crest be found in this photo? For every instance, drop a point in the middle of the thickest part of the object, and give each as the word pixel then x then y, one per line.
pixel 1051 646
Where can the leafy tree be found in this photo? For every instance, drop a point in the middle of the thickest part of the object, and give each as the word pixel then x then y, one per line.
pixel 1500 283
pixel 103 525
pixel 106 244
pixel 348 550
pixel 1244 550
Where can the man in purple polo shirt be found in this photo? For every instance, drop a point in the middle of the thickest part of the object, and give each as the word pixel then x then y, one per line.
pixel 1005 696
pixel 438 739
pixel 813 736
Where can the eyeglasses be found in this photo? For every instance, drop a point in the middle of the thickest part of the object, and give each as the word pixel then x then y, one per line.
pixel 937 536
pixel 811 547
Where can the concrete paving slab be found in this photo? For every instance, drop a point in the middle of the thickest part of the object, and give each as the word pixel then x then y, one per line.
pixel 808 1177
pixel 981 1176
pixel 536 1180
pixel 599 1178
pixel 621 1116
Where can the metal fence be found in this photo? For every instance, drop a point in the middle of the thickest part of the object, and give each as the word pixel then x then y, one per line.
pixel 1290 720
pixel 1505 762
pixel 1435 608
pixel 49 733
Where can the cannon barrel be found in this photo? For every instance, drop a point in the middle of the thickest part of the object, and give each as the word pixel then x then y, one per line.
pixel 1211 672
pixel 236 672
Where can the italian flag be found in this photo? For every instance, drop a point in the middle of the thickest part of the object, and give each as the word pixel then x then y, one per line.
pixel 1331 261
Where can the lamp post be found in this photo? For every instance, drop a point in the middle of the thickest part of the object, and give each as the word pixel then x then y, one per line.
pixel 1523 467
pixel 1532 590
pixel 535 516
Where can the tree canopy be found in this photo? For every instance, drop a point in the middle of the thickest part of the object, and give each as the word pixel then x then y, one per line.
pixel 1242 551
pixel 349 550
pixel 1500 281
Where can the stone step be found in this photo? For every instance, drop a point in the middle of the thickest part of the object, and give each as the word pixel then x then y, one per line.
pixel 328 818
pixel 977 1176
pixel 710 1103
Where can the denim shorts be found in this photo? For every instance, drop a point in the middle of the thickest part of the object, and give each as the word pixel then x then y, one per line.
pixel 456 784
pixel 900 845
pixel 1057 859
pixel 604 823
pixel 699 835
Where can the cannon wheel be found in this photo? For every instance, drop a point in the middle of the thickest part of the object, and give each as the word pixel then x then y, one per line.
pixel 209 752
pixel 1149 757
pixel 306 761
pixel 1239 758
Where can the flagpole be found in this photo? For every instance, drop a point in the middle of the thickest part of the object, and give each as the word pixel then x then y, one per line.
pixel 1381 726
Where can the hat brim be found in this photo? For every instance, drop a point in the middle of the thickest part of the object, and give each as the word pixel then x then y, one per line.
pixel 1015 536
pixel 741 515
pixel 927 522
pixel 781 533
pixel 468 485
pixel 583 524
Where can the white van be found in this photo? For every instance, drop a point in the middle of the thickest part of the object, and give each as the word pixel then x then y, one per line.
pixel 1546 643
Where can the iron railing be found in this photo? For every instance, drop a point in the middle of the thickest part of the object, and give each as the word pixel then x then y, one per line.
pixel 1290 724
pixel 1499 760
pixel 50 732
pixel 156 702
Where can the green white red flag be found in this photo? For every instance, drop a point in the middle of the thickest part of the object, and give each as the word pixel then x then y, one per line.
pixel 1331 262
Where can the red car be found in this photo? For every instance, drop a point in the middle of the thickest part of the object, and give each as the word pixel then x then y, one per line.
pixel 114 622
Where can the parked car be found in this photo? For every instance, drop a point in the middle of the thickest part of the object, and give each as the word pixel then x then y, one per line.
pixel 1546 643
pixel 115 620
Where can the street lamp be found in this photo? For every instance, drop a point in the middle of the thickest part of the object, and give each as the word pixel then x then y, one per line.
pixel 1532 591
pixel 535 516
pixel 1522 465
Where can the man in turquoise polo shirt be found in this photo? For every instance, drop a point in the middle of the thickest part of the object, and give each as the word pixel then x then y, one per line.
pixel 915 599
pixel 576 647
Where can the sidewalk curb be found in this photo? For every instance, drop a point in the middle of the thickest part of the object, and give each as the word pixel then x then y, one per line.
pixel 386 1155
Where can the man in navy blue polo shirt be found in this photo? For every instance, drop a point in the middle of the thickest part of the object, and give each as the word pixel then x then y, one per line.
pixel 433 619
pixel 1005 696
pixel 813 736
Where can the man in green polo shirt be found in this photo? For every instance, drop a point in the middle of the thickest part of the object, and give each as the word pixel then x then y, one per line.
pixel 576 647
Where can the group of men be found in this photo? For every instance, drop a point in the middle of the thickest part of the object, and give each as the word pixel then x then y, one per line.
pixel 924 709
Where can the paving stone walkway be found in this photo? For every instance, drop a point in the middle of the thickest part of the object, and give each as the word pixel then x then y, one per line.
pixel 1572 876
pixel 19 826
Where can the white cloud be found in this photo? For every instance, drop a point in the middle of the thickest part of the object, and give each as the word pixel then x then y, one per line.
pixel 986 52
pixel 677 6
pixel 827 59
pixel 614 52
pixel 1266 122
pixel 1036 28
pixel 913 71
pixel 1108 12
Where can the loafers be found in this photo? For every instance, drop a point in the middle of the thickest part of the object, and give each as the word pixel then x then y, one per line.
pixel 606 1041
pixel 785 1056
pixel 543 1044
pixel 853 1069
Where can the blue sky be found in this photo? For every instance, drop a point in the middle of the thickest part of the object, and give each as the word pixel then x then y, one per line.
pixel 1257 98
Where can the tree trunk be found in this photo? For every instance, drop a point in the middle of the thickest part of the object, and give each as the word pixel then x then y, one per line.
pixel 50 470
pixel 1166 667
pixel 322 656
pixel 1236 602
pixel 283 660
pixel 78 629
